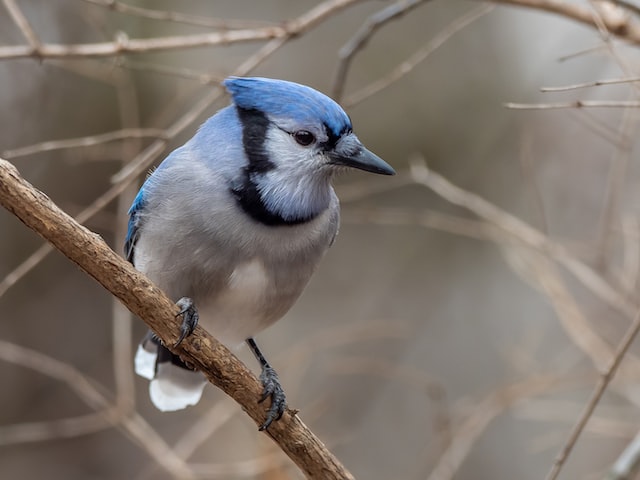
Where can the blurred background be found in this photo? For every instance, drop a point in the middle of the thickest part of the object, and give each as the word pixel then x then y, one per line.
pixel 457 326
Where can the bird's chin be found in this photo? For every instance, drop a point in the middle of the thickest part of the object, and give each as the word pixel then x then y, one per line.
pixel 339 170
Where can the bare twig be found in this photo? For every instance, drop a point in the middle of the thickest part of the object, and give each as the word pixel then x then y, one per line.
pixel 575 104
pixel 88 141
pixel 605 378
pixel 123 45
pixel 528 172
pixel 363 35
pixel 590 120
pixel 596 83
pixel 617 176
pixel 174 71
pixel 23 24
pixel 408 65
pixel 584 51
pixel 178 17
pixel 444 222
pixel 145 300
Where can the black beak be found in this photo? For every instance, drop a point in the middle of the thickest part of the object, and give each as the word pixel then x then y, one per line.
pixel 354 155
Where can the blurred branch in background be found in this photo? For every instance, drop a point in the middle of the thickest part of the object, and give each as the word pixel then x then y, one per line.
pixel 586 283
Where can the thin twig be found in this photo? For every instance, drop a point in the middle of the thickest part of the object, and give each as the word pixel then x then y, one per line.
pixel 575 104
pixel 589 120
pixel 414 60
pixel 88 141
pixel 605 378
pixel 363 35
pixel 179 17
pixel 25 27
pixel 581 52
pixel 596 83
pixel 174 71
pixel 528 172
pixel 616 179
pixel 124 45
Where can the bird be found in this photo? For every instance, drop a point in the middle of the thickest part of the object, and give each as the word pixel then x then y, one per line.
pixel 232 224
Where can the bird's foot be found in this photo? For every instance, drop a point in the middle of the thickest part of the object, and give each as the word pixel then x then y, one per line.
pixel 189 318
pixel 273 389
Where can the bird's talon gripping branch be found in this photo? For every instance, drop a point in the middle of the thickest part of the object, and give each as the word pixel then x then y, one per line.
pixel 190 318
pixel 273 389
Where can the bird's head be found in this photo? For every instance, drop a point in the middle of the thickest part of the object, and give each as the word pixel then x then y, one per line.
pixel 297 124
pixel 295 139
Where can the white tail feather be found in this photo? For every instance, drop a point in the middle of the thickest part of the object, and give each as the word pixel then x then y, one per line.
pixel 175 388
pixel 145 362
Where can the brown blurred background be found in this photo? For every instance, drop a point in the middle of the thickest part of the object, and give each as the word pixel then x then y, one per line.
pixel 433 342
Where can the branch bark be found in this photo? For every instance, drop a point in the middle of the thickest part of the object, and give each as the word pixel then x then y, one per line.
pixel 145 300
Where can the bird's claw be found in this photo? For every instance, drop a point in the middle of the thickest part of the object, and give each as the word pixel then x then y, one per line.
pixel 189 318
pixel 273 389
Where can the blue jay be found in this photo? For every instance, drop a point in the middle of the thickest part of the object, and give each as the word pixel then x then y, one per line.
pixel 236 220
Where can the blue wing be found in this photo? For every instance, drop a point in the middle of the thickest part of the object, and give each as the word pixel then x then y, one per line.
pixel 134 225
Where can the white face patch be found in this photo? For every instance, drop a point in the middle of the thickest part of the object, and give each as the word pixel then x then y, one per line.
pixel 288 155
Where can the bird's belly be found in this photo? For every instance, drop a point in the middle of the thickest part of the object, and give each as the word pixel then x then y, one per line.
pixel 253 298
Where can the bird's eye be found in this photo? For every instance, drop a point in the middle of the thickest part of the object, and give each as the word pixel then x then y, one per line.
pixel 304 137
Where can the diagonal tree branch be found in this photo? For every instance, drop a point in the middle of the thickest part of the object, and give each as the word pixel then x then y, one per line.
pixel 145 300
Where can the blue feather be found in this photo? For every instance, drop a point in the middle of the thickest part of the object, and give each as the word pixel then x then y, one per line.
pixel 134 224
pixel 280 98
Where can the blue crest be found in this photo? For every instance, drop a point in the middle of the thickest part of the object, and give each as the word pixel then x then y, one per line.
pixel 280 98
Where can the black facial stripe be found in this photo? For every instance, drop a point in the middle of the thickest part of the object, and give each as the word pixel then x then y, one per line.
pixel 254 132
pixel 332 138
